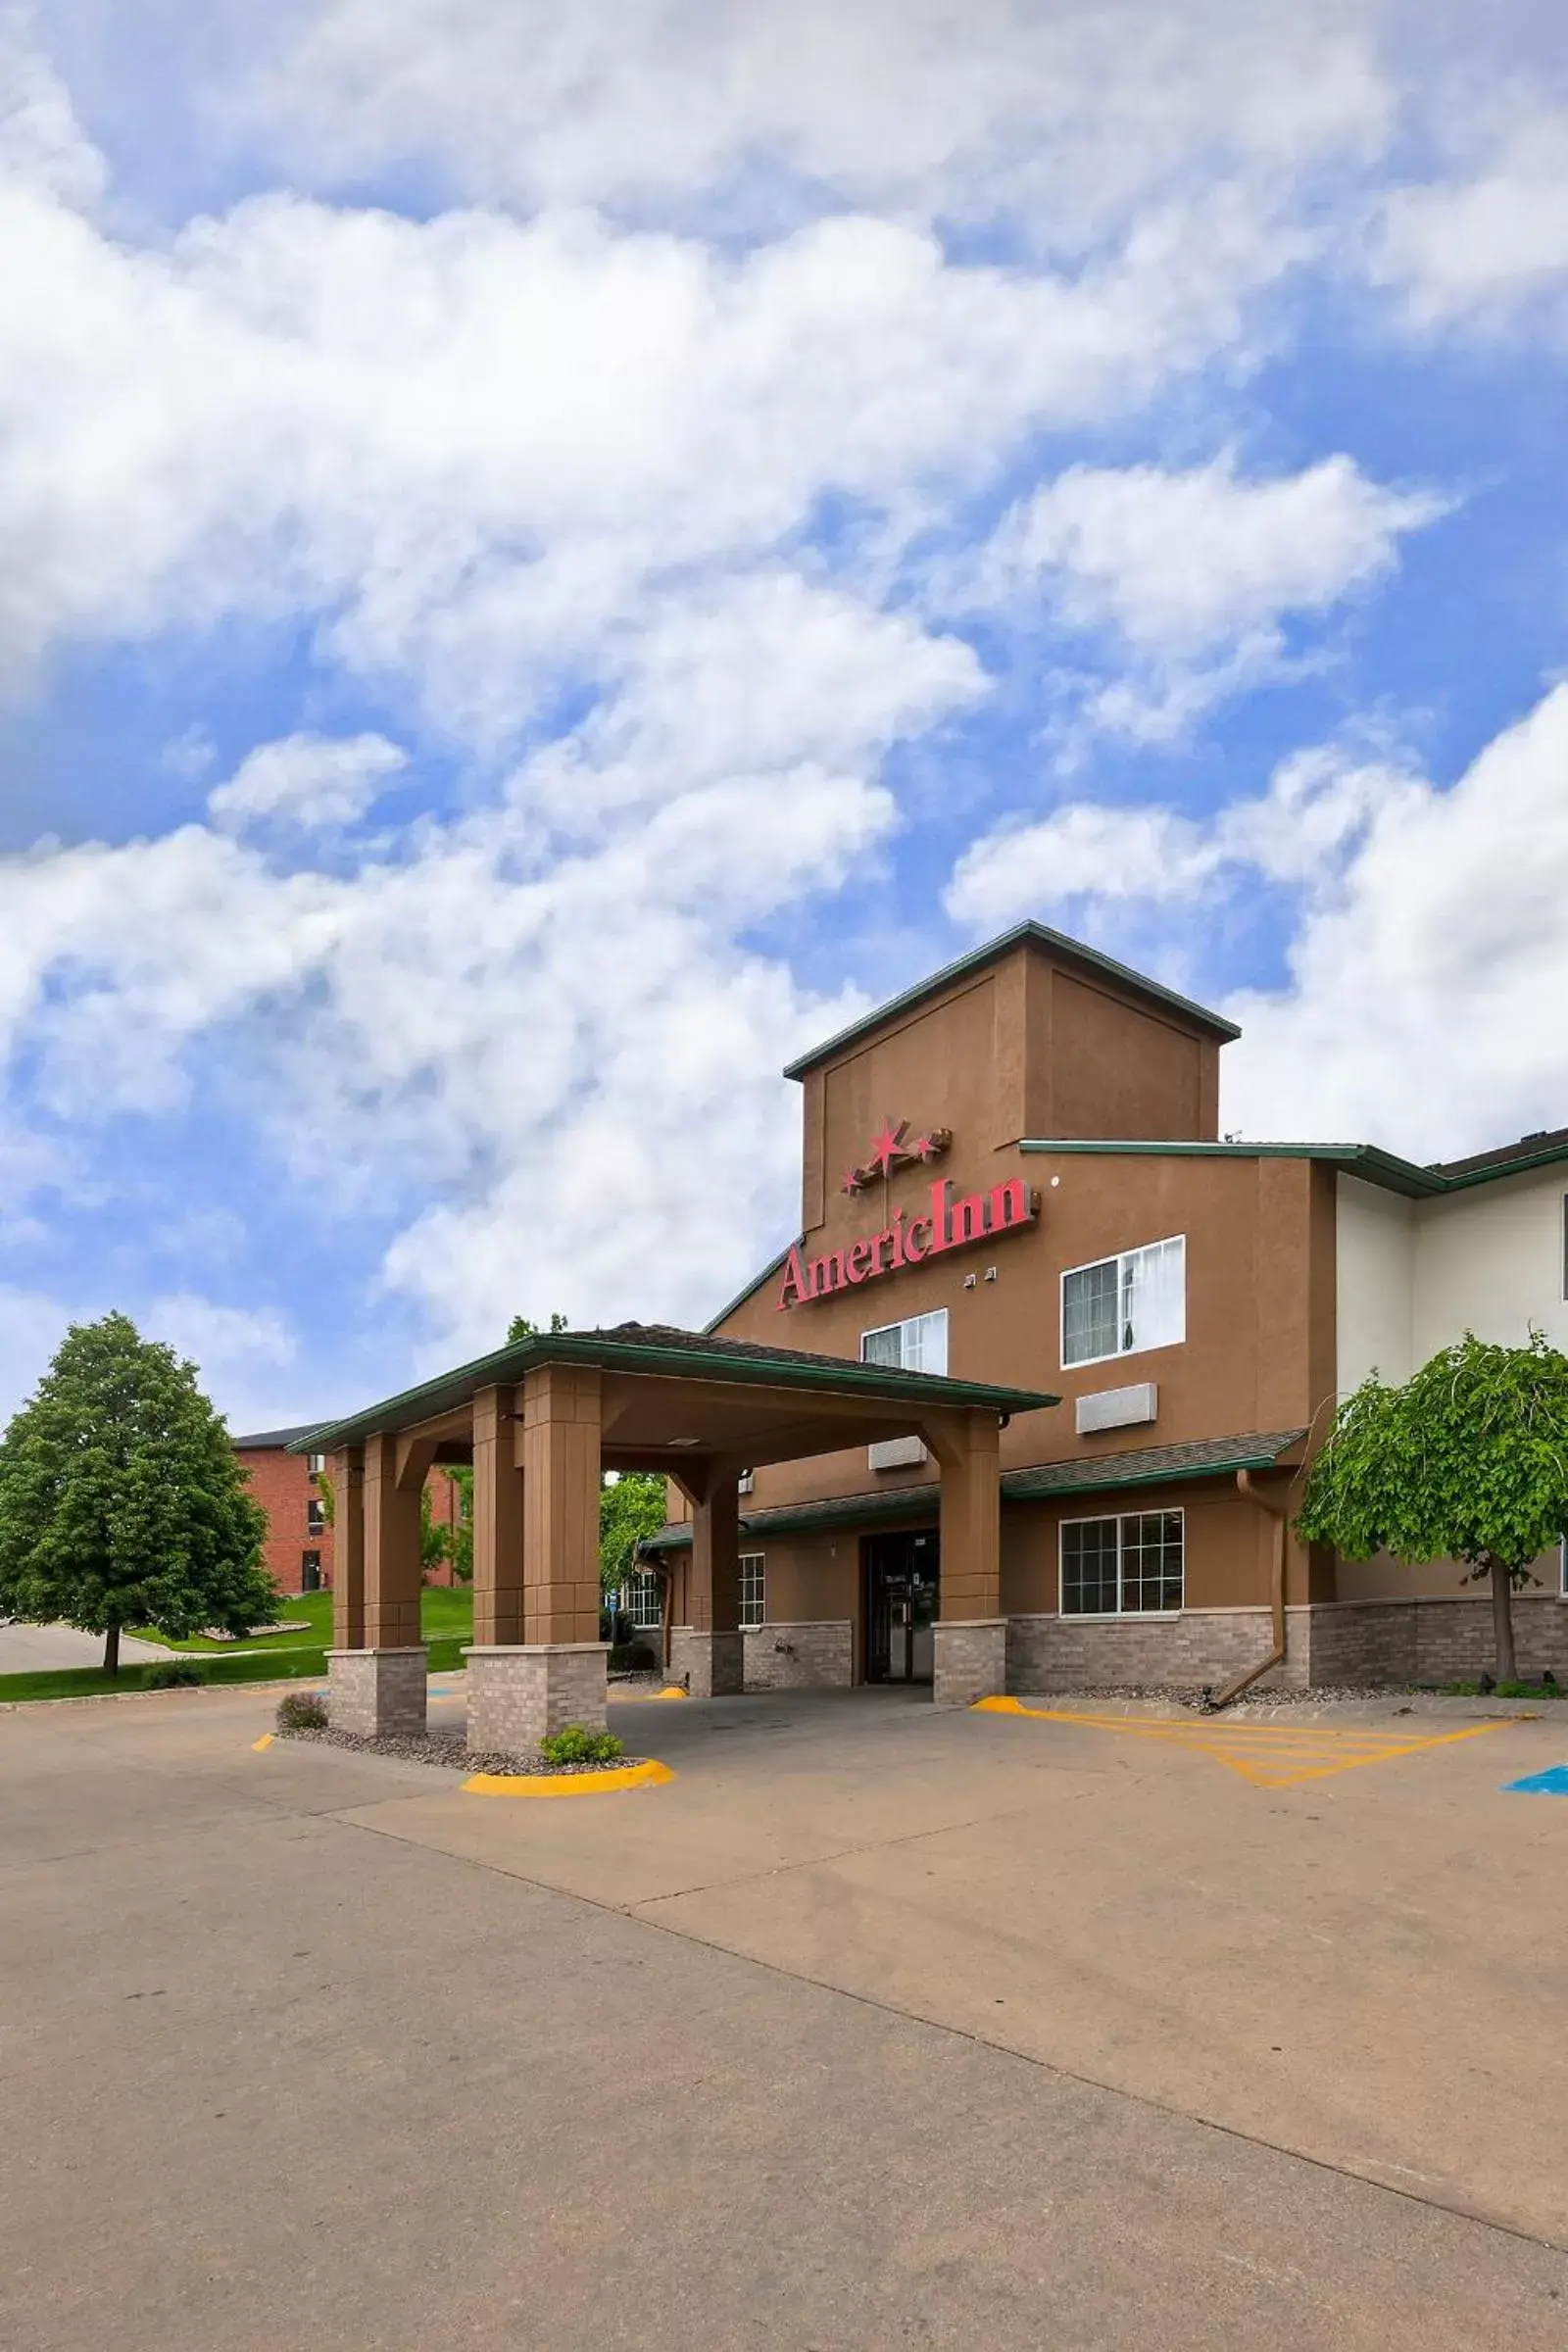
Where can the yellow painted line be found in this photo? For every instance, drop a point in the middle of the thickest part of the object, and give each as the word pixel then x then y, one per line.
pixel 1268 1755
pixel 257 1745
pixel 568 1784
pixel 646 1698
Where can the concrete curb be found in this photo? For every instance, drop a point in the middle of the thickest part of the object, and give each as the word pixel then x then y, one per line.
pixel 650 1774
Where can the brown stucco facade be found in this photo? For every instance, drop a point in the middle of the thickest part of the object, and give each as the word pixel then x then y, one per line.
pixel 1013 1068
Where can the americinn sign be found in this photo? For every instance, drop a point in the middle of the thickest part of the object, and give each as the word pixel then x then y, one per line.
pixel 947 1222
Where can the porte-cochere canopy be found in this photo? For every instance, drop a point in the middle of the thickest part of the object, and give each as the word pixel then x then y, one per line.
pixel 540 1421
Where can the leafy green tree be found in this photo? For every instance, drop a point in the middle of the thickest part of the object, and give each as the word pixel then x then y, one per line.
pixel 630 1507
pixel 463 1529
pixel 520 1328
pixel 121 1502
pixel 1468 1460
pixel 436 1538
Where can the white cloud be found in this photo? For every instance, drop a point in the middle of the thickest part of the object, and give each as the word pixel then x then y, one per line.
pixel 311 781
pixel 247 1358
pixel 1318 805
pixel 1181 563
pixel 1428 963
pixel 41 142
pixel 1428 977
pixel 1063 115
pixel 1189 578
pixel 220 1339
pixel 1477 249
pixel 467 451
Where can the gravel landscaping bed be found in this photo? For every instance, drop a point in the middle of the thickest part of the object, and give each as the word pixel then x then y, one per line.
pixel 1170 1694
pixel 446 1750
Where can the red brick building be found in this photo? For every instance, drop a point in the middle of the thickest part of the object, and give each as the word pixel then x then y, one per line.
pixel 299 1541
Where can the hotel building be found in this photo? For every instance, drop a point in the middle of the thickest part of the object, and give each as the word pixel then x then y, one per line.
pixel 1013 1174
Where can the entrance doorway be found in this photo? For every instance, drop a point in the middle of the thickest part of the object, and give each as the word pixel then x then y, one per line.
pixel 901 1586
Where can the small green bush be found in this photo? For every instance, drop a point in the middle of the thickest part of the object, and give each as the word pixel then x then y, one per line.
pixel 632 1657
pixel 175 1674
pixel 574 1745
pixel 301 1711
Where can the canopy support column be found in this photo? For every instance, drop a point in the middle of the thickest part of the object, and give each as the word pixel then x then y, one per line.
pixel 710 1650
pixel 523 1692
pixel 972 1635
pixel 378 1687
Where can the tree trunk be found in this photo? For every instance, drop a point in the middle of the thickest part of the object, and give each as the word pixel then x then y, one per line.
pixel 112 1651
pixel 1503 1622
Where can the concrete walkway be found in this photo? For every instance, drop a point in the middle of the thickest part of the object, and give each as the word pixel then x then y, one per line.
pixel 876 2025
pixel 46 1649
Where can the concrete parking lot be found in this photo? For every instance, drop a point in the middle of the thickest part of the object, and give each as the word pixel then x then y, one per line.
pixel 874 2026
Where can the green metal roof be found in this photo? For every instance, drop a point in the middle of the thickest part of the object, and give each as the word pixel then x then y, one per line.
pixel 1098 1474
pixel 1040 934
pixel 1366 1160
pixel 676 1354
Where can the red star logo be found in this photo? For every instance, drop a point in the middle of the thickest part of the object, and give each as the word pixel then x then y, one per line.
pixel 887 1147
pixel 851 1181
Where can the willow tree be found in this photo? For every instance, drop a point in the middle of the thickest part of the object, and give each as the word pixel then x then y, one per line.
pixel 121 1502
pixel 1467 1462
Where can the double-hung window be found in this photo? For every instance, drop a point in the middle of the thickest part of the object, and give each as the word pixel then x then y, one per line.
pixel 1123 1567
pixel 920 1344
pixel 753 1609
pixel 643 1599
pixel 1123 1305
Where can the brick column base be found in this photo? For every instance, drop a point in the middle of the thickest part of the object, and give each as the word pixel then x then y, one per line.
pixel 714 1664
pixel 377 1692
pixel 523 1692
pixel 970 1660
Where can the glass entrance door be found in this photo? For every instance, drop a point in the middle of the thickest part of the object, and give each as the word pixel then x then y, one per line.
pixel 902 1591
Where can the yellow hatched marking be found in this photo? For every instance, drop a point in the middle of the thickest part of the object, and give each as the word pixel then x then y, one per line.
pixel 1269 1755
pixel 264 1741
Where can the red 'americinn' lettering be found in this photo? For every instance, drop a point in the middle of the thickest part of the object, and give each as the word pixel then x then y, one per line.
pixel 951 1225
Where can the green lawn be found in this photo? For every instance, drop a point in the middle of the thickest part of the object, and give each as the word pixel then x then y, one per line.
pixel 446 1620
pixel 444 1613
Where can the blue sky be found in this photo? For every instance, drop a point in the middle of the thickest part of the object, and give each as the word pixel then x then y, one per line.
pixel 555 556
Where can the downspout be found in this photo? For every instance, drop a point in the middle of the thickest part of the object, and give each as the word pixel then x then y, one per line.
pixel 1229 1692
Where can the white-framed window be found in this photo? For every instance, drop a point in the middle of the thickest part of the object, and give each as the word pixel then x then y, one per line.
pixel 316 1463
pixel 1121 1305
pixel 753 1607
pixel 642 1598
pixel 314 1517
pixel 920 1344
pixel 1126 1566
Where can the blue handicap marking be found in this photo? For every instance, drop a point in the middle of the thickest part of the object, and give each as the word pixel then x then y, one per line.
pixel 1552 1782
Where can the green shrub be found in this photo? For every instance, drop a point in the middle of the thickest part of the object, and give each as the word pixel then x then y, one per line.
pixel 633 1657
pixel 574 1745
pixel 173 1674
pixel 301 1711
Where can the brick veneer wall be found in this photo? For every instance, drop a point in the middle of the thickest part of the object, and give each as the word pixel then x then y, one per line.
pixel 1197 1646
pixel 379 1693
pixel 1433 1639
pixel 1426 1639
pixel 800 1657
pixel 711 1665
pixel 521 1695
pixel 970 1661
pixel 281 1483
